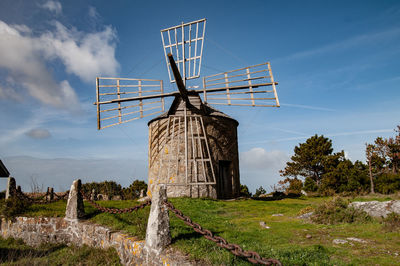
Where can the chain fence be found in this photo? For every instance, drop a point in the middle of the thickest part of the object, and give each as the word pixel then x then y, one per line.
pixel 235 249
pixel 114 210
pixel 44 199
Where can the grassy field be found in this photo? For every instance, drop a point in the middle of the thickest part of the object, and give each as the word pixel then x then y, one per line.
pixel 15 252
pixel 292 240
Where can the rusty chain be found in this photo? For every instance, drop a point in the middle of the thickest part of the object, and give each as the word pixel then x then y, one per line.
pixel 115 210
pixel 235 249
pixel 37 200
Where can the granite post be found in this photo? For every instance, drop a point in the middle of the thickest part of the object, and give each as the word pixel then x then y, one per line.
pixel 157 234
pixel 75 208
pixel 11 187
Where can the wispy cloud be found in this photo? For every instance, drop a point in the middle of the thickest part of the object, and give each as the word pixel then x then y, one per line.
pixel 53 6
pixel 310 107
pixel 345 44
pixel 349 133
pixel 38 133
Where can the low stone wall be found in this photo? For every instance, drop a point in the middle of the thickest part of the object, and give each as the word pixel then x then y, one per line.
pixel 37 230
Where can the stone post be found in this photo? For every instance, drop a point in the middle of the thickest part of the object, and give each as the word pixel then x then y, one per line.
pixel 51 194
pixel 75 208
pixel 157 233
pixel 93 195
pixel 11 187
pixel 19 190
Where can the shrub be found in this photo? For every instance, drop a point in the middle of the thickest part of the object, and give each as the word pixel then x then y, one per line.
pixel 244 191
pixel 310 185
pixel 336 211
pixel 387 183
pixel 392 222
pixel 12 207
pixel 133 191
pixel 306 210
pixel 259 191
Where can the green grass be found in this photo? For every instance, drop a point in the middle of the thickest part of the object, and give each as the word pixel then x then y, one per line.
pixel 238 222
pixel 15 252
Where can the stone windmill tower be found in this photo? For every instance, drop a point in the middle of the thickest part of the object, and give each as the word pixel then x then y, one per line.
pixel 193 147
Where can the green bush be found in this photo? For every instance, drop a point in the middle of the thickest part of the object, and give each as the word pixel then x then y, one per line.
pixel 310 185
pixel 133 191
pixel 12 207
pixel 392 222
pixel 336 211
pixel 387 183
pixel 244 191
pixel 110 188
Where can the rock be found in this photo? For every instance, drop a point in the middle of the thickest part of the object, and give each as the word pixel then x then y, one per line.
pixel 376 208
pixel 144 199
pixel 116 197
pixel 277 214
pixel 93 195
pixel 305 215
pixel 339 241
pixel 263 225
pixel 308 236
pixel 75 208
pixel 157 234
pixel 303 193
pixel 11 187
pixel 355 239
pixel 142 193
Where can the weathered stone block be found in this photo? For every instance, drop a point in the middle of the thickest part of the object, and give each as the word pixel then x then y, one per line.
pixel 157 234
pixel 11 187
pixel 75 208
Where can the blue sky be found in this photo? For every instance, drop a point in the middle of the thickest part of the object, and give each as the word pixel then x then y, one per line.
pixel 337 64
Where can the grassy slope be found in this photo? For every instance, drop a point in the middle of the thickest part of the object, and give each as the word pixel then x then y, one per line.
pixel 238 222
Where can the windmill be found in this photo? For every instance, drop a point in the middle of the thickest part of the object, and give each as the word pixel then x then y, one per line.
pixel 192 147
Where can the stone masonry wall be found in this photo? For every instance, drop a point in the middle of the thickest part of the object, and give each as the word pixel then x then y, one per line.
pixel 36 230
pixel 222 141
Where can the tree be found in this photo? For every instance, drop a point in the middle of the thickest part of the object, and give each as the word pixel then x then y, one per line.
pixel 244 191
pixel 259 191
pixel 312 159
pixel 393 145
pixel 291 185
pixel 133 191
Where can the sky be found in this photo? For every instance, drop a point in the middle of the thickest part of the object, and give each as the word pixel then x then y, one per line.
pixel 337 64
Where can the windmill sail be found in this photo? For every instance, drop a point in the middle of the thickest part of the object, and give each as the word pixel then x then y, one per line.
pixel 185 42
pixel 121 100
pixel 242 87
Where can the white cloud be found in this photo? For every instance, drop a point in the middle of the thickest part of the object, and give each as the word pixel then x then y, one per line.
pixel 86 55
pixel 53 6
pixel 93 13
pixel 25 58
pixel 38 133
pixel 9 93
pixel 259 158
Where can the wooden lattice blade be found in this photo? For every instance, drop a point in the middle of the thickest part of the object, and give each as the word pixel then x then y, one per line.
pixel 115 104
pixel 242 87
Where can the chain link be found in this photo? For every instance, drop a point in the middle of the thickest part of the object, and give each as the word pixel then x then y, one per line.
pixel 39 200
pixel 235 249
pixel 114 210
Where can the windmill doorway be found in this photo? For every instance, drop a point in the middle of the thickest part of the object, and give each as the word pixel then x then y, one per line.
pixel 225 176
